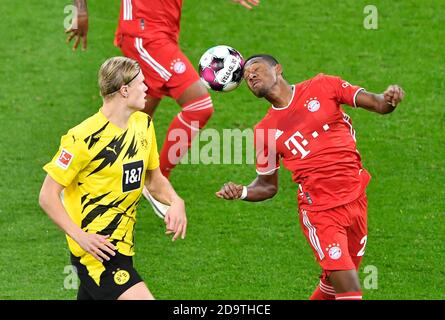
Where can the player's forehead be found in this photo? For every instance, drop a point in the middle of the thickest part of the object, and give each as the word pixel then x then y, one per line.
pixel 140 78
pixel 254 63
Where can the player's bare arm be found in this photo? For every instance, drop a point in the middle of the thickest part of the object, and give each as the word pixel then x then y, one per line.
pixel 79 29
pixel 381 103
pixel 161 189
pixel 262 188
pixel 96 245
pixel 248 3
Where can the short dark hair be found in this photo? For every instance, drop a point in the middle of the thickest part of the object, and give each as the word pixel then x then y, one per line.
pixel 267 57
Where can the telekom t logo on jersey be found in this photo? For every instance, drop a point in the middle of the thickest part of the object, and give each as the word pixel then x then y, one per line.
pixel 297 143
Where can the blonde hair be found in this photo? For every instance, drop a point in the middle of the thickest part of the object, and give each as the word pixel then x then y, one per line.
pixel 114 73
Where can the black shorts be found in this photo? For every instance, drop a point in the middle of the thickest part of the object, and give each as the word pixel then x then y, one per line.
pixel 119 275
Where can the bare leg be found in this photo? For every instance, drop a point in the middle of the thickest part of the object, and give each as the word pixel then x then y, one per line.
pixel 345 281
pixel 193 92
pixel 197 108
pixel 137 292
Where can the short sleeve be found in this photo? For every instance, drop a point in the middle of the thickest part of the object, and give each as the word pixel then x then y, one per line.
pixel 345 93
pixel 267 159
pixel 71 158
pixel 153 158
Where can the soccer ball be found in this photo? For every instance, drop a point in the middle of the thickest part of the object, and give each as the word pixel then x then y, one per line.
pixel 221 68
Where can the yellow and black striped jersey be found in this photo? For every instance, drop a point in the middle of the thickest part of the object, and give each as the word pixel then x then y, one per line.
pixel 102 168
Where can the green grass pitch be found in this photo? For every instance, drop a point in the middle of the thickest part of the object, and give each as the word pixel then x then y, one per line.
pixel 235 250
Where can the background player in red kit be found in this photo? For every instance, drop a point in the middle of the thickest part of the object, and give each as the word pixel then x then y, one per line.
pixel 148 32
pixel 307 128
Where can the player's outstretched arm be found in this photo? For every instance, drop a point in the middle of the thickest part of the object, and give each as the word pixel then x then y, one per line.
pixel 262 188
pixel 247 3
pixel 79 28
pixel 381 103
pixel 161 189
pixel 96 245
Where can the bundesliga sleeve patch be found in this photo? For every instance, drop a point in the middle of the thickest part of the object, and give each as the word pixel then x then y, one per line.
pixel 64 159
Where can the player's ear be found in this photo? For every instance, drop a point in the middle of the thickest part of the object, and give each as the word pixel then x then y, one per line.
pixel 279 69
pixel 124 91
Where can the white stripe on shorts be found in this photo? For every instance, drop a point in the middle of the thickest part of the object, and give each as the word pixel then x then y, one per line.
pixel 128 10
pixel 313 238
pixel 150 61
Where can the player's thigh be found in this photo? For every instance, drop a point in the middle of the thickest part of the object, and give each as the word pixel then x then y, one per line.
pixel 184 85
pixel 327 236
pixel 166 69
pixel 358 230
pixel 137 292
pixel 151 60
pixel 344 280
pixel 192 92
pixel 106 280
pixel 83 294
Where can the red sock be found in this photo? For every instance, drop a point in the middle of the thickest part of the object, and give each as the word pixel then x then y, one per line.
pixel 182 130
pixel 355 295
pixel 176 143
pixel 324 291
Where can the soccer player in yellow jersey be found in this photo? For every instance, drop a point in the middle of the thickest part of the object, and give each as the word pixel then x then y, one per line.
pixel 102 166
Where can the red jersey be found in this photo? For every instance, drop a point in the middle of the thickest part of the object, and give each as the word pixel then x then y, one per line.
pixel 150 19
pixel 315 140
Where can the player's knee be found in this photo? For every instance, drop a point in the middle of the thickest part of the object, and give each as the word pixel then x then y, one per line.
pixel 345 281
pixel 198 113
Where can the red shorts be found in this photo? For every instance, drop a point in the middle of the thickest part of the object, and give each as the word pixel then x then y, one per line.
pixel 338 235
pixel 167 71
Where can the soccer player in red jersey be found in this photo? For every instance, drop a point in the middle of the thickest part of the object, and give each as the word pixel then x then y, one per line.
pixel 308 130
pixel 148 32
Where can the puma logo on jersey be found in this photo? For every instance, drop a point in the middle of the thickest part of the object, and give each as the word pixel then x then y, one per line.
pixel 111 149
